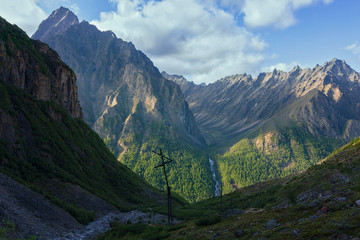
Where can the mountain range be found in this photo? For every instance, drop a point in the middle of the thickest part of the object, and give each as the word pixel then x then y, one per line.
pixel 241 102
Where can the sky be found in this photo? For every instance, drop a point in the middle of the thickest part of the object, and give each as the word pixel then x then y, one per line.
pixel 205 40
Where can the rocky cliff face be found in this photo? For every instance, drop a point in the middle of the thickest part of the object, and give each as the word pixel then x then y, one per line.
pixel 34 67
pixel 121 92
pixel 324 98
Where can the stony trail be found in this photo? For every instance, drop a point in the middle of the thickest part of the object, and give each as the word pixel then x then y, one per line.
pixel 101 225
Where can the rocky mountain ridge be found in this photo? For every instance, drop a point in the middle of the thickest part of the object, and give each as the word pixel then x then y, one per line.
pixel 122 72
pixel 241 102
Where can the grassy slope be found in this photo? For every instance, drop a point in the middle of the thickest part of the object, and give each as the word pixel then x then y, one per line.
pixel 52 145
pixel 295 202
pixel 286 151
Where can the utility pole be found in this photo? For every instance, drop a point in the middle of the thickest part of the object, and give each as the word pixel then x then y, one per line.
pixel 163 163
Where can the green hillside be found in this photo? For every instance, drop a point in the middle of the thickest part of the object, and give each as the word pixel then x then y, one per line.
pixel 322 202
pixel 189 173
pixel 272 154
pixel 44 144
pixel 51 146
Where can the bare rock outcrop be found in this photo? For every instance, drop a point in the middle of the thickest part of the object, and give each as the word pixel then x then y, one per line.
pixel 37 69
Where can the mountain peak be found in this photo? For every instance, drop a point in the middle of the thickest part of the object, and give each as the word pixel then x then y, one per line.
pixel 339 67
pixel 296 68
pixel 58 21
pixel 337 62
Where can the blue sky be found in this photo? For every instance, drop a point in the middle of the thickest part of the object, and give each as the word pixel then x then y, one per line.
pixel 205 40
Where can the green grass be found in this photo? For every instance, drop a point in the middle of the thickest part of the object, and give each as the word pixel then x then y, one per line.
pixel 208 220
pixel 140 231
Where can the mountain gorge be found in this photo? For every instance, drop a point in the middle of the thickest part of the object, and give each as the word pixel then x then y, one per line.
pixel 269 138
pixel 77 140
pixel 130 104
pixel 277 123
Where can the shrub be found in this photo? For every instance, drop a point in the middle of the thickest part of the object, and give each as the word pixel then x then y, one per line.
pixel 206 221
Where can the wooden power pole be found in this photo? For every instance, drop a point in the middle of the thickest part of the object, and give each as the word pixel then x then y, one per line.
pixel 163 163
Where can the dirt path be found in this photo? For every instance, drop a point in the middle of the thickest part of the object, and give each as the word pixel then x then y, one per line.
pixel 34 215
pixel 102 224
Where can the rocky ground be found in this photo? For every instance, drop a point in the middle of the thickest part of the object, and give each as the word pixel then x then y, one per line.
pixel 103 224
pixel 25 213
pixel 31 213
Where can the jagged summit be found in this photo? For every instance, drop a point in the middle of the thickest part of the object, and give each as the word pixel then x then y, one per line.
pixel 58 22
pixel 340 67
pixel 238 101
pixel 334 71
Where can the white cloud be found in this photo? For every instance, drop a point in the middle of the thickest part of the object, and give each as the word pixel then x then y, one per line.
pixel 201 41
pixel 286 67
pixel 354 48
pixel 74 8
pixel 51 5
pixel 25 14
pixel 277 13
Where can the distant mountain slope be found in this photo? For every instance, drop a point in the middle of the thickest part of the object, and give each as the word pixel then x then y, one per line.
pixel 237 103
pixel 45 145
pixel 277 123
pixel 130 105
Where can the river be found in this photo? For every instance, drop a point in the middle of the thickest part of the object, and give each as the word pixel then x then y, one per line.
pixel 217 184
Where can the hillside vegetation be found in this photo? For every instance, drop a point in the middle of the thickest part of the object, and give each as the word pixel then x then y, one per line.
pixel 49 144
pixel 188 175
pixel 271 155
pixel 322 202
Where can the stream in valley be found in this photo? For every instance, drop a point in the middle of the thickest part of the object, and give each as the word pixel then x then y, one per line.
pixel 217 184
